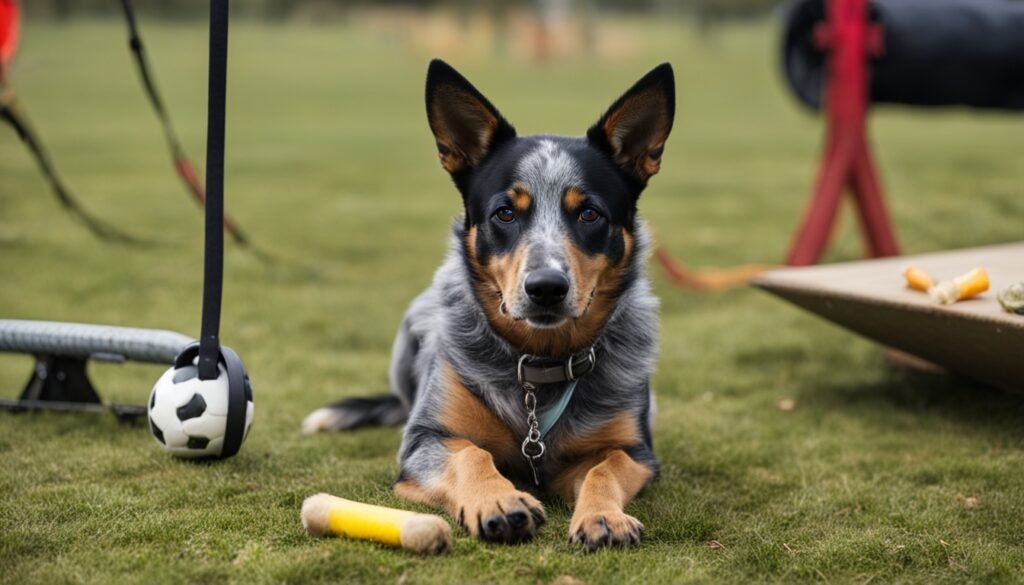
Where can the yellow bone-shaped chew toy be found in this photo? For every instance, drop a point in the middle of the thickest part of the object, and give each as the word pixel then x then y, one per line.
pixel 324 514
pixel 963 287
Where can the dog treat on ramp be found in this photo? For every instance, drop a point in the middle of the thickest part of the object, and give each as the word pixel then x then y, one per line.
pixel 947 292
pixel 324 515
pixel 963 287
pixel 918 279
pixel 1011 298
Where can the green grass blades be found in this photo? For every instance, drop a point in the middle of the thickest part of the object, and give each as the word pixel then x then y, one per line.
pixel 875 475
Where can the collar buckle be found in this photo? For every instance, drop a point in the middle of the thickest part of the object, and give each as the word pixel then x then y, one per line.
pixel 590 360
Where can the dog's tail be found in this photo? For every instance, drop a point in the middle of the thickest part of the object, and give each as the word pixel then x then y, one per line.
pixel 352 413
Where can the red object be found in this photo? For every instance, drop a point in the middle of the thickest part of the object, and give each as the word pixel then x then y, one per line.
pixel 188 174
pixel 850 40
pixel 9 28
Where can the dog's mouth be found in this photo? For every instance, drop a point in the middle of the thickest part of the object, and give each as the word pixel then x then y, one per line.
pixel 538 318
pixel 545 318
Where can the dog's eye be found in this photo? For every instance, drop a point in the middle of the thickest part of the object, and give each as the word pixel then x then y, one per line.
pixel 505 215
pixel 589 215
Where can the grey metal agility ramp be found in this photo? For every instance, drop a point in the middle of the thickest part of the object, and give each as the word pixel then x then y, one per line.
pixel 59 380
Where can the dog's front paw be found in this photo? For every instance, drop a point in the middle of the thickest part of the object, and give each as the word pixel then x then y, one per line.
pixel 510 517
pixel 610 528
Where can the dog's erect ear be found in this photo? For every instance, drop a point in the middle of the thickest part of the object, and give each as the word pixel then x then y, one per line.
pixel 634 129
pixel 465 124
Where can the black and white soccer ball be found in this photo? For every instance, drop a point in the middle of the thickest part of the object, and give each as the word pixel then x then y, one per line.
pixel 188 416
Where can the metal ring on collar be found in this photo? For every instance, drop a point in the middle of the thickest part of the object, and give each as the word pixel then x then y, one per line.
pixel 540 452
pixel 519 368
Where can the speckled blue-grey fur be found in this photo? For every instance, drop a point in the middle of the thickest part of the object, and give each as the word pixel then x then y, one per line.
pixel 446 324
pixel 549 257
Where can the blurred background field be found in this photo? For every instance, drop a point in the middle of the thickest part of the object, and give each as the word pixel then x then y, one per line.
pixel 876 474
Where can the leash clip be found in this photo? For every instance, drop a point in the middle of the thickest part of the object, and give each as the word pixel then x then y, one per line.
pixel 533 445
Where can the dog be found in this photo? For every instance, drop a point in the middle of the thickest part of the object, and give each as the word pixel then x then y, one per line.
pixel 524 370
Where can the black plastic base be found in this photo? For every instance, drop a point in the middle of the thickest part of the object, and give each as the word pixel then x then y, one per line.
pixel 60 378
pixel 126 413
pixel 60 383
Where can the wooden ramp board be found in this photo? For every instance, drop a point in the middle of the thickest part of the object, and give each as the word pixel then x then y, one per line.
pixel 975 337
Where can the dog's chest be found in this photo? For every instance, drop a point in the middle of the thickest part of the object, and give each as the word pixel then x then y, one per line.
pixel 568 424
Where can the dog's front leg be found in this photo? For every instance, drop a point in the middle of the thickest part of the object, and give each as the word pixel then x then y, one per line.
pixel 601 487
pixel 461 477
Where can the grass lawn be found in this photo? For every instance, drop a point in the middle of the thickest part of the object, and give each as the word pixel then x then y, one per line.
pixel 877 475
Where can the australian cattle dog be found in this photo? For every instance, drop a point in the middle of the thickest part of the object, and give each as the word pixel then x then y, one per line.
pixel 524 370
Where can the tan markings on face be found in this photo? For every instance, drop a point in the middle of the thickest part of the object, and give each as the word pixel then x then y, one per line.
pixel 573 199
pixel 498 287
pixel 470 488
pixel 470 242
pixel 520 196
pixel 465 415
pixel 627 240
pixel 596 280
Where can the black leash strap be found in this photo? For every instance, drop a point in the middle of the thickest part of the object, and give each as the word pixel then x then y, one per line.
pixel 11 113
pixel 213 269
pixel 182 165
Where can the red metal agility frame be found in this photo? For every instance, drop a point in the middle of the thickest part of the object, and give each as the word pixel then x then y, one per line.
pixel 850 40
pixel 9 29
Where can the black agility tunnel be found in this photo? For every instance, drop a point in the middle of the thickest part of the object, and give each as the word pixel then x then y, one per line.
pixel 935 53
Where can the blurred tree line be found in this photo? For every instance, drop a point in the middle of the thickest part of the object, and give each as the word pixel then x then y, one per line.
pixel 703 11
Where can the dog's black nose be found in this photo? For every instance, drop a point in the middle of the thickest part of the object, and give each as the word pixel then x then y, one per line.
pixel 547 286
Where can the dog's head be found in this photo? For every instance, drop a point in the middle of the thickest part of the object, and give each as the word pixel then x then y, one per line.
pixel 550 221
